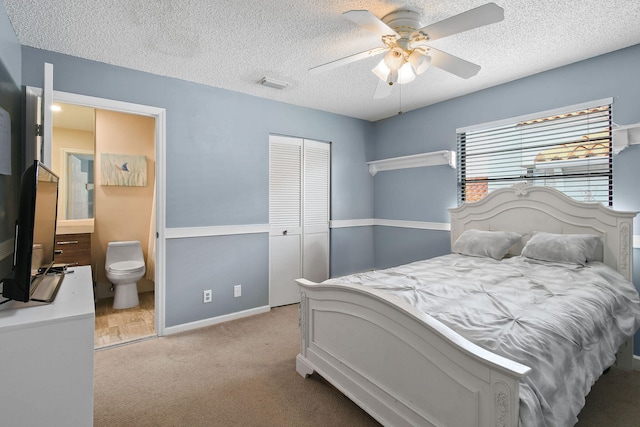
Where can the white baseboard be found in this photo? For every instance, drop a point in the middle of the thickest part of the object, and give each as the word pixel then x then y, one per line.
pixel 215 320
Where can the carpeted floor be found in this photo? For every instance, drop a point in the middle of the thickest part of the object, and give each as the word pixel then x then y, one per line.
pixel 242 373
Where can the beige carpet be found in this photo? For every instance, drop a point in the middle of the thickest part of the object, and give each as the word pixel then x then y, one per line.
pixel 242 373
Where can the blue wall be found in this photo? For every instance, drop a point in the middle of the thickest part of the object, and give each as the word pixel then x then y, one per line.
pixel 434 128
pixel 217 175
pixel 426 195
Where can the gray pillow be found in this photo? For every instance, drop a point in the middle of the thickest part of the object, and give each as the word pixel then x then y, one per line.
pixel 565 248
pixel 492 244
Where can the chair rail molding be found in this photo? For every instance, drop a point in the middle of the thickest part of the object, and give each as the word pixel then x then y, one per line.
pixel 434 158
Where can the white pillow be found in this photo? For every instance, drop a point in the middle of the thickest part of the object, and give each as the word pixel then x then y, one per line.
pixel 564 248
pixel 492 244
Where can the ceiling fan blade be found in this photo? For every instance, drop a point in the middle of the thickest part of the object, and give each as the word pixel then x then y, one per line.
pixel 348 59
pixel 382 90
pixel 489 13
pixel 370 22
pixel 453 64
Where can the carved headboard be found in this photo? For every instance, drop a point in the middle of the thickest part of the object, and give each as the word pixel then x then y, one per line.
pixel 526 208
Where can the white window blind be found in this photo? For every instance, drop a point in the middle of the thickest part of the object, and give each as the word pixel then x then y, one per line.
pixel 569 150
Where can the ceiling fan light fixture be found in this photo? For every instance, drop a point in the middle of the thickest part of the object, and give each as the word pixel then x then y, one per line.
pixel 406 74
pixel 419 61
pixel 381 70
pixel 394 59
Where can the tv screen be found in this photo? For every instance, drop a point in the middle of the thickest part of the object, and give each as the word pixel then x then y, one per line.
pixel 35 232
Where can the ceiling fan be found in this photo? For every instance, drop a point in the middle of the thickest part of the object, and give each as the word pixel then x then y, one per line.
pixel 406 44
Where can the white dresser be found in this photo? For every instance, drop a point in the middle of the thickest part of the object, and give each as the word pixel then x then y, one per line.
pixel 46 357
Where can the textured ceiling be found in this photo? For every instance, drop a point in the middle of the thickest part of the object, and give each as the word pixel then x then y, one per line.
pixel 232 44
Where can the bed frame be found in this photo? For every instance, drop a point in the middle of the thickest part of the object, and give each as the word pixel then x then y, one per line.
pixel 404 367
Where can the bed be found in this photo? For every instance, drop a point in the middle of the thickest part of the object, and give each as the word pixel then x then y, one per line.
pixel 396 351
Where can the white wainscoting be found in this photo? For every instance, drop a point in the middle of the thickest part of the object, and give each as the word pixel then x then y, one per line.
pixel 222 230
pixel 421 225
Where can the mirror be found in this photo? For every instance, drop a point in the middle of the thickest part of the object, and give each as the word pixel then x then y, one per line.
pixel 72 158
pixel 79 184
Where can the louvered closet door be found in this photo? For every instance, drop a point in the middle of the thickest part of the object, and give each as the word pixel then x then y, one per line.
pixel 299 187
pixel 285 219
pixel 315 252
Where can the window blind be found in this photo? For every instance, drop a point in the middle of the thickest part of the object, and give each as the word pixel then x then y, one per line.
pixel 570 151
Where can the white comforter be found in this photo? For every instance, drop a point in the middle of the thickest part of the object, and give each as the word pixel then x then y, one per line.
pixel 564 322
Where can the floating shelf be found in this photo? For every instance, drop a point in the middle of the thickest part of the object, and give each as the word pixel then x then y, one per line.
pixel 434 158
pixel 625 135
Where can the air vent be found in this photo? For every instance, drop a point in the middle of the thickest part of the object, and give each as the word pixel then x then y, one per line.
pixel 276 84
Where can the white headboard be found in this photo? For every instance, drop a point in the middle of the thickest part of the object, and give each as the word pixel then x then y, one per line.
pixel 526 208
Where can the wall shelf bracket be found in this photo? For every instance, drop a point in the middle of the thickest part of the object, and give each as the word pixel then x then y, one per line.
pixel 444 157
pixel 625 135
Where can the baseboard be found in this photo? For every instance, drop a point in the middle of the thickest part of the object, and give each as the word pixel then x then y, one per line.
pixel 636 362
pixel 215 320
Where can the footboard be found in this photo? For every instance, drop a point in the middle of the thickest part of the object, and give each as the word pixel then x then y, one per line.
pixel 402 367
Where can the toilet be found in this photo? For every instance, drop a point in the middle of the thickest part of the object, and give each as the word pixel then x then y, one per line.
pixel 124 266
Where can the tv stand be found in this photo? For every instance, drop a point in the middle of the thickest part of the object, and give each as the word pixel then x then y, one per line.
pixel 46 357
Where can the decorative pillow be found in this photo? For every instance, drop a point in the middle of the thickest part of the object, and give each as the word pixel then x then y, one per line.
pixel 493 244
pixel 564 248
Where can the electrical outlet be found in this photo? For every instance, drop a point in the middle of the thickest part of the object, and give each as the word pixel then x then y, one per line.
pixel 237 291
pixel 206 296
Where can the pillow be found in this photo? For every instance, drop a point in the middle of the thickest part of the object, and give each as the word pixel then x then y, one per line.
pixel 564 248
pixel 493 244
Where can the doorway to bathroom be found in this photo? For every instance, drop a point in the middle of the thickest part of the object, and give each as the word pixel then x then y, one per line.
pixel 118 212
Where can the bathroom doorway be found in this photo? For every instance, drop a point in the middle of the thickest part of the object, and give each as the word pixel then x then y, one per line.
pixel 81 137
pixel 153 300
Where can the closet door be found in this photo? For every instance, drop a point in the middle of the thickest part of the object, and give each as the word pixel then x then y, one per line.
pixel 316 189
pixel 299 188
pixel 285 219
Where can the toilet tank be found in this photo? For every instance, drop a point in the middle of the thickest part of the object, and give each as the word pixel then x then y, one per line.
pixel 123 251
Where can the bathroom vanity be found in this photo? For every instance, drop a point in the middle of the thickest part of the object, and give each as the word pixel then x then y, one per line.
pixel 46 357
pixel 73 238
pixel 76 249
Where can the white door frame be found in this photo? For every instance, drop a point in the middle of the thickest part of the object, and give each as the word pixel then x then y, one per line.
pixel 159 114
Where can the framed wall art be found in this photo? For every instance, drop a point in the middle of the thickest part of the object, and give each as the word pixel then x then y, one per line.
pixel 124 170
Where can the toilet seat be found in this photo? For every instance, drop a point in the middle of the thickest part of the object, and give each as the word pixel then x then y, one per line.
pixel 131 266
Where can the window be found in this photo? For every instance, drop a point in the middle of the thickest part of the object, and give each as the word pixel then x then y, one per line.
pixel 568 149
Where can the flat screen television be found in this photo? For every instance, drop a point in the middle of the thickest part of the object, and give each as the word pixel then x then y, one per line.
pixel 35 235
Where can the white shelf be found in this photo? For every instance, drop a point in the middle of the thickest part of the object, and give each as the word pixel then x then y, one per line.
pixel 434 158
pixel 625 135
